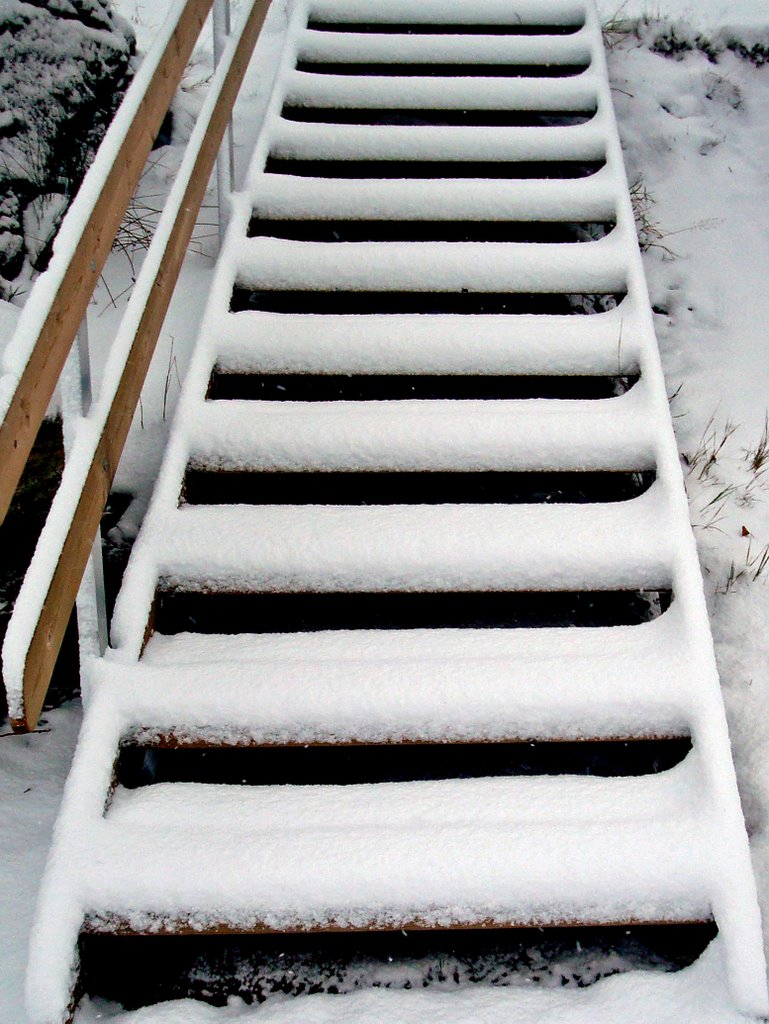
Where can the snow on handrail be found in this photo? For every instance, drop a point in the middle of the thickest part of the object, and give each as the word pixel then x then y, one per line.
pixel 36 629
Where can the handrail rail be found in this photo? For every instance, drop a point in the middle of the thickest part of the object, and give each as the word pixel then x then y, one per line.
pixel 35 632
pixel 60 297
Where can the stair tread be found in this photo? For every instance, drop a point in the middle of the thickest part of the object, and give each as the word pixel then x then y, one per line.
pixel 302 141
pixel 518 850
pixel 659 645
pixel 475 93
pixel 606 343
pixel 278 263
pixel 493 12
pixel 535 434
pixel 429 685
pixel 471 49
pixel 393 199
pixel 440 547
pixel 573 803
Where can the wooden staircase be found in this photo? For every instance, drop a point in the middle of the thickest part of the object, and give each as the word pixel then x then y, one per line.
pixel 413 636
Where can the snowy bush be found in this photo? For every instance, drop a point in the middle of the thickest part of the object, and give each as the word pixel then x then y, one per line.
pixel 64 66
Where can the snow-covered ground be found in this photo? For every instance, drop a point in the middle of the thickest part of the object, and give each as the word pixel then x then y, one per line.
pixel 697 134
pixel 697 139
pixel 32 773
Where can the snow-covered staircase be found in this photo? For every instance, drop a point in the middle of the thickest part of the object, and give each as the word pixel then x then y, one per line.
pixel 422 494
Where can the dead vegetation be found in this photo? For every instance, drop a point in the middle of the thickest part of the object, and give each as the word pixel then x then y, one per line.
pixel 650 234
pixel 721 483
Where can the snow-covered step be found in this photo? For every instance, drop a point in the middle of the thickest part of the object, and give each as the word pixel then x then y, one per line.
pixel 439 12
pixel 278 263
pixel 490 802
pixel 492 12
pixel 580 199
pixel 369 700
pixel 433 548
pixel 251 341
pixel 537 434
pixel 623 850
pixel 577 93
pixel 291 140
pixel 470 49
pixel 368 686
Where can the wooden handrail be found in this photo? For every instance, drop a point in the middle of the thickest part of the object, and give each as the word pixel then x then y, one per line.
pixel 68 303
pixel 154 290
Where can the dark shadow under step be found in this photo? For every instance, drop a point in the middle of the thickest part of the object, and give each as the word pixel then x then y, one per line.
pixel 215 487
pixel 137 971
pixel 178 611
pixel 361 303
pixel 496 169
pixel 435 70
pixel 337 230
pixel 307 387
pixel 355 764
pixel 437 116
pixel 443 29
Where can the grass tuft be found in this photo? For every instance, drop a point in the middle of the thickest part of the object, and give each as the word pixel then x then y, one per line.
pixel 709 447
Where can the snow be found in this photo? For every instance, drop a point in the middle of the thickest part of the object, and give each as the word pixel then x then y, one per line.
pixel 708 123
pixel 443 804
pixel 357 48
pixel 9 317
pixel 543 12
pixel 612 433
pixel 577 93
pixel 467 850
pixel 465 684
pixel 61 67
pixel 363 142
pixel 32 772
pixel 702 15
pixel 323 548
pixel 277 263
pixel 586 198
pixel 411 344
pixel 696 994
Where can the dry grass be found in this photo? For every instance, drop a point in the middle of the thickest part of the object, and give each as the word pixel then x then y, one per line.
pixel 709 447
pixel 650 234
pixel 757 457
pixel 720 482
pixel 750 570
pixel 138 226
pixel 617 27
